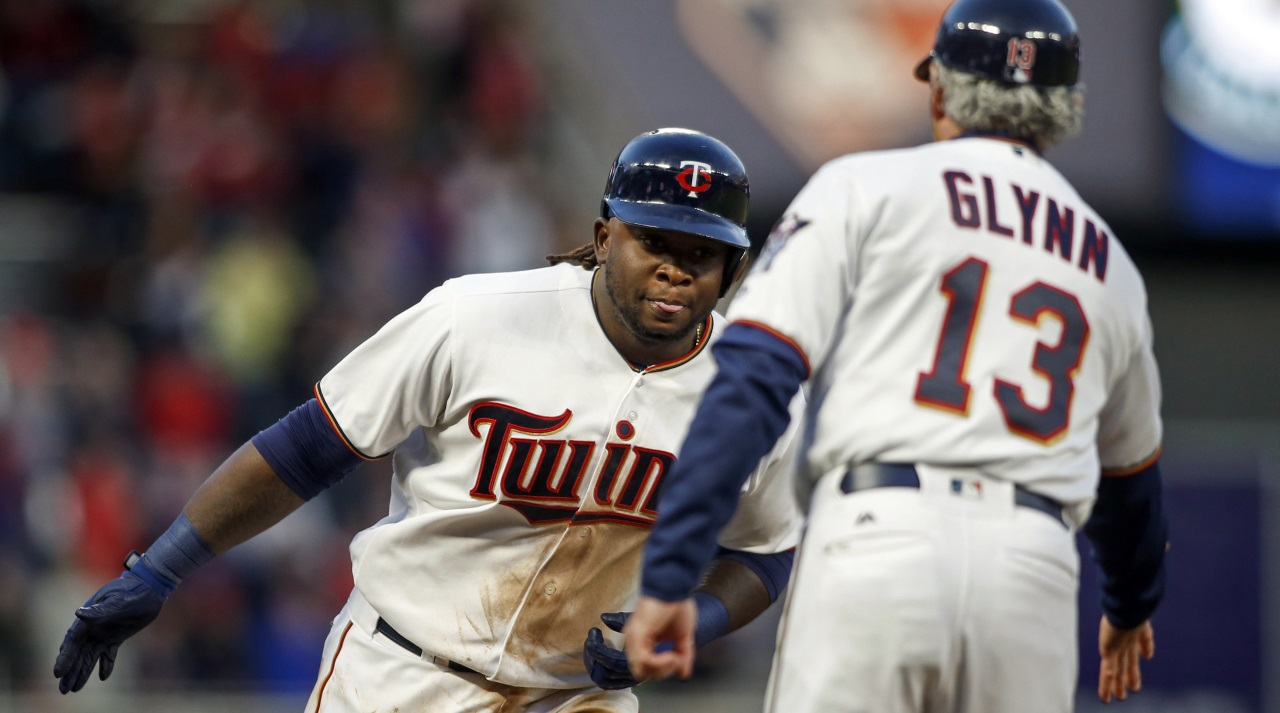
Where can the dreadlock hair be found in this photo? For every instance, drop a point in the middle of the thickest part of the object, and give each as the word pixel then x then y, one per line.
pixel 584 256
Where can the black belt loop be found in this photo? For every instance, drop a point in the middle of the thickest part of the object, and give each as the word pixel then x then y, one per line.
pixel 382 627
pixel 903 475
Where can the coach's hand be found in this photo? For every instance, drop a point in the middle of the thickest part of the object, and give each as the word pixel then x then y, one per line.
pixel 1121 651
pixel 653 623
pixel 114 613
pixel 609 668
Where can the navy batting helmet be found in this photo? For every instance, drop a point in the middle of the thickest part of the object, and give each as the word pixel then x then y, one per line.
pixel 1012 41
pixel 682 180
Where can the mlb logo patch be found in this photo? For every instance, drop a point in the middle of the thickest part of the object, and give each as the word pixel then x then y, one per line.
pixel 967 488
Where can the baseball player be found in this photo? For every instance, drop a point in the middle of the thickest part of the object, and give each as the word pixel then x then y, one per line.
pixel 532 418
pixel 978 350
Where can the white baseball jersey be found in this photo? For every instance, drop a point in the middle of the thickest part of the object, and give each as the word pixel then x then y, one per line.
pixel 527 457
pixel 960 304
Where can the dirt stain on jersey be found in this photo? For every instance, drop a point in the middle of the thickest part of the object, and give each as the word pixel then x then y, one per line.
pixel 593 570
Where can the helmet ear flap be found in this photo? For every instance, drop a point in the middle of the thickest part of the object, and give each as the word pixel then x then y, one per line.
pixel 734 269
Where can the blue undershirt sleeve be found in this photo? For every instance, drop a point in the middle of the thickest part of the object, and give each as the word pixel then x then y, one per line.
pixel 305 452
pixel 773 570
pixel 1129 535
pixel 742 414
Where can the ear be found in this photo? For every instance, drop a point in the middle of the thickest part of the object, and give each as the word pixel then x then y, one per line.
pixel 937 108
pixel 601 240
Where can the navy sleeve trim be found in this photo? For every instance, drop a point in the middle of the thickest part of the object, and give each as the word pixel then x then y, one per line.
pixel 1129 535
pixel 773 569
pixel 305 451
pixel 743 412
pixel 804 358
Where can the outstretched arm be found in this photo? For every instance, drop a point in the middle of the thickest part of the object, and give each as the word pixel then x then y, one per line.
pixel 261 483
pixel 743 412
pixel 242 498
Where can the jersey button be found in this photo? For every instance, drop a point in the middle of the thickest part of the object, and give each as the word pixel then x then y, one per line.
pixel 550 589
pixel 584 531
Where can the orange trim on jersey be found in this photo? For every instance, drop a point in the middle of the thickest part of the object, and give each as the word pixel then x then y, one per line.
pixel 333 423
pixel 808 370
pixel 1131 469
pixel 697 349
pixel 332 665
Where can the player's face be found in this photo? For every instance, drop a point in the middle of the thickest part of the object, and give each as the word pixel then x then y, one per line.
pixel 660 284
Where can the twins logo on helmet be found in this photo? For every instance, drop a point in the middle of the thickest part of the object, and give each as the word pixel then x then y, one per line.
pixel 688 178
pixel 683 181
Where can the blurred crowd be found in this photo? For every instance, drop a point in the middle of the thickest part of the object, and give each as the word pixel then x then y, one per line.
pixel 233 195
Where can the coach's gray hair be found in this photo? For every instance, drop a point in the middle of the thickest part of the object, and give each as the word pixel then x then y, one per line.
pixel 1044 115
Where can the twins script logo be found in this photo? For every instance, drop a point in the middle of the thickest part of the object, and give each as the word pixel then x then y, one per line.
pixel 540 477
pixel 692 178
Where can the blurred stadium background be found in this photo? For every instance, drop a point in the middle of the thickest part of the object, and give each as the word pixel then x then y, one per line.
pixel 205 203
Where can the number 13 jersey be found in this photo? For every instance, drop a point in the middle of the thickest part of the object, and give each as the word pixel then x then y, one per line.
pixel 959 304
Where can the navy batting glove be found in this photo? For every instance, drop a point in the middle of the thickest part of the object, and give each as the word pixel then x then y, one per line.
pixel 114 613
pixel 606 665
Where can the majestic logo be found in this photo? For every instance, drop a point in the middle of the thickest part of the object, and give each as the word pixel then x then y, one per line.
pixel 540 477
pixel 696 178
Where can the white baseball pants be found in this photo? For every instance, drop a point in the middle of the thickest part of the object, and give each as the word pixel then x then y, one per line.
pixel 361 671
pixel 928 601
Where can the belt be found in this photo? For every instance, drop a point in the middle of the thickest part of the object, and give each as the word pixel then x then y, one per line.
pixel 385 629
pixel 904 475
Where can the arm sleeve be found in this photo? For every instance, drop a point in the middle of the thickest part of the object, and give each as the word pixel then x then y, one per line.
pixel 1129 536
pixel 768 518
pixel 773 570
pixel 742 414
pixel 306 451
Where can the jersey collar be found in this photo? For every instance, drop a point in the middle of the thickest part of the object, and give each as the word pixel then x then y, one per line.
pixel 999 136
pixel 704 338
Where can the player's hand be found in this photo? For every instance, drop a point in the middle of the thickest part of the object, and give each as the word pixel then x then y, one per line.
pixel 114 613
pixel 1120 649
pixel 652 623
pixel 606 665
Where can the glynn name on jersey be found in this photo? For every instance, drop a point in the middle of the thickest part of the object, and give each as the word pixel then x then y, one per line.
pixel 1007 209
